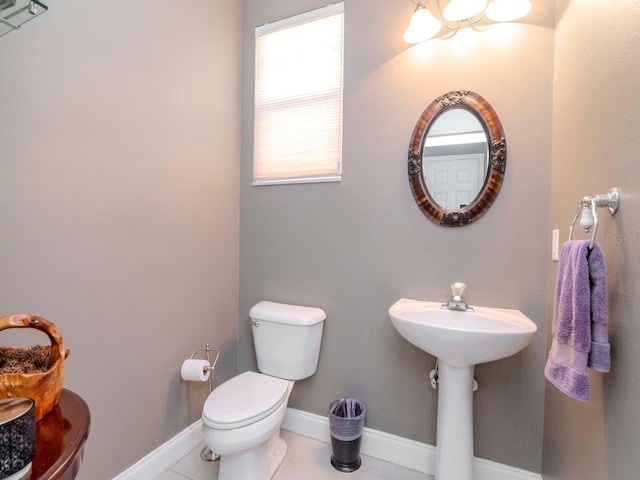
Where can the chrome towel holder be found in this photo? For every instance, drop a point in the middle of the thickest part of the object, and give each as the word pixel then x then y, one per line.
pixel 15 13
pixel 588 214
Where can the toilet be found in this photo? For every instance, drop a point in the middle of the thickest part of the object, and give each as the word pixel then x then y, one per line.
pixel 242 417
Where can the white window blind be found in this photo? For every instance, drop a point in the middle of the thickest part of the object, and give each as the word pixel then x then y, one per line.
pixel 298 99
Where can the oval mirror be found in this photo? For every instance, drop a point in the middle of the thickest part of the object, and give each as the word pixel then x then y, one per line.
pixel 457 158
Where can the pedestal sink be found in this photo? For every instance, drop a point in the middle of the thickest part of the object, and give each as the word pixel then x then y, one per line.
pixel 460 340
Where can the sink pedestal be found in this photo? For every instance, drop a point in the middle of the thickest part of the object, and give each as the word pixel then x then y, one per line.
pixel 454 434
pixel 459 340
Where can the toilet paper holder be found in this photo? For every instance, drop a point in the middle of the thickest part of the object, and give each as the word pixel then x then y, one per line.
pixel 206 454
pixel 212 365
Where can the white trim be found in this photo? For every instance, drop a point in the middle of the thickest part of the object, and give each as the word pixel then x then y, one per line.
pixel 398 450
pixel 302 17
pixel 165 456
pixel 287 181
pixel 384 446
pixel 458 138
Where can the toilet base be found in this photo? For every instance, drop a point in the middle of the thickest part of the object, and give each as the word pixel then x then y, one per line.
pixel 258 463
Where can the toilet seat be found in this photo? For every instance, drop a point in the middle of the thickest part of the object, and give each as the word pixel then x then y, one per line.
pixel 244 399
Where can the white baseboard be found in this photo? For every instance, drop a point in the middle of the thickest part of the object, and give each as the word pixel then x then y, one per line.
pixel 398 450
pixel 384 446
pixel 165 456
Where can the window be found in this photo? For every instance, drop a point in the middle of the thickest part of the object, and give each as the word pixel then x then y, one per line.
pixel 298 99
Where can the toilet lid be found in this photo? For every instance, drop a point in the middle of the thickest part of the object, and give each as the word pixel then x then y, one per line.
pixel 244 399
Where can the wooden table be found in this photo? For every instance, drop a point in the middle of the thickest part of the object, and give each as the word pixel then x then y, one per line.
pixel 60 439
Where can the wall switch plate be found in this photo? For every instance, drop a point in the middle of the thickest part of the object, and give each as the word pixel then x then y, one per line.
pixel 555 245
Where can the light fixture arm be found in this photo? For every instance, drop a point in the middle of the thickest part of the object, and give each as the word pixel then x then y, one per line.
pixel 444 21
pixel 480 16
pixel 471 20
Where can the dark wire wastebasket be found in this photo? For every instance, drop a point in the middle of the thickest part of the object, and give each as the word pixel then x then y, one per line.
pixel 346 424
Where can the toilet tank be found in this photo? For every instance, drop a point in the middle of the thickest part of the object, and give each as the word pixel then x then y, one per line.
pixel 287 339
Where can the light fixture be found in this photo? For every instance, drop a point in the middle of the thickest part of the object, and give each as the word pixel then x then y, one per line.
pixel 424 26
pixel 508 10
pixel 459 10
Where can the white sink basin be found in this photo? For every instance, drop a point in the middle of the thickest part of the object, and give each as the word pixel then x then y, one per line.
pixel 459 340
pixel 462 338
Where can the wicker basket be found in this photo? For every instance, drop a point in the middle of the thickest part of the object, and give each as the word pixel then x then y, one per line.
pixel 44 387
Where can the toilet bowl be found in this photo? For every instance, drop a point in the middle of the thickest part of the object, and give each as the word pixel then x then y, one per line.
pixel 242 421
pixel 242 417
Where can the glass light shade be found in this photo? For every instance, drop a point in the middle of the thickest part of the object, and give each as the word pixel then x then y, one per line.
pixel 459 10
pixel 508 10
pixel 422 26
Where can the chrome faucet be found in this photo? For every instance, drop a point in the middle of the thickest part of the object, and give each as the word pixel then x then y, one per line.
pixel 457 301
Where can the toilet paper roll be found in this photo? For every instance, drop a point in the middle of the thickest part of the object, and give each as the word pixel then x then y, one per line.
pixel 195 370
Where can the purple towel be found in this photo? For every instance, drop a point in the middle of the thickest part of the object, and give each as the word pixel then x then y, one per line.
pixel 579 330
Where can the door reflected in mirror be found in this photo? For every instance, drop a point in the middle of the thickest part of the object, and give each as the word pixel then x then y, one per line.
pixel 454 159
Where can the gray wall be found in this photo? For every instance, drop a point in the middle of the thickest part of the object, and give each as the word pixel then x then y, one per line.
pixel 119 138
pixel 355 247
pixel 119 186
pixel 595 147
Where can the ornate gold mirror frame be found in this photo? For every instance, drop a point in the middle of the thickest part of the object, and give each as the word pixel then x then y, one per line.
pixel 496 165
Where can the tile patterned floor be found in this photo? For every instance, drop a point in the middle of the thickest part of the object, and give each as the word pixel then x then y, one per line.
pixel 307 459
